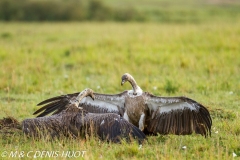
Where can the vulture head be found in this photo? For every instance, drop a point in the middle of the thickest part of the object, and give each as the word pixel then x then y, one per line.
pixel 84 93
pixel 126 77
pixel 136 89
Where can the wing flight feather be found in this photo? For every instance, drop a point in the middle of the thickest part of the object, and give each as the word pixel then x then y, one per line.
pixel 177 115
pixel 103 103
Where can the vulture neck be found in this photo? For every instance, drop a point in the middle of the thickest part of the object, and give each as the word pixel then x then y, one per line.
pixel 81 95
pixel 135 87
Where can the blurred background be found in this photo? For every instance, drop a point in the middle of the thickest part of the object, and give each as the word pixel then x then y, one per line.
pixel 170 47
pixel 180 11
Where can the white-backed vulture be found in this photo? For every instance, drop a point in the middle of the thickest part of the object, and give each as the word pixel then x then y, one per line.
pixel 74 120
pixel 153 114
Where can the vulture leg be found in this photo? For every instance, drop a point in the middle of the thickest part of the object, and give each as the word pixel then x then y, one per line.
pixel 142 121
pixel 125 116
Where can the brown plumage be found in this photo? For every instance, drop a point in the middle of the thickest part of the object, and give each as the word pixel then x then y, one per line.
pixel 76 121
pixel 9 126
pixel 153 114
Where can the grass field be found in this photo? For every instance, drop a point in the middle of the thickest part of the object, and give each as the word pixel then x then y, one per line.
pixel 201 61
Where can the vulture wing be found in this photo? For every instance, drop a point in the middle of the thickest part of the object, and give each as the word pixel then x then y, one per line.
pixel 177 115
pixel 112 127
pixel 103 103
pixel 56 104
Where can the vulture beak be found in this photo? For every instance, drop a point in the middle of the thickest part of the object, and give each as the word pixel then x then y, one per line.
pixel 123 81
pixel 92 96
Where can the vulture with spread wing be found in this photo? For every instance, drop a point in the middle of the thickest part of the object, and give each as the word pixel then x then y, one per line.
pixel 74 120
pixel 152 114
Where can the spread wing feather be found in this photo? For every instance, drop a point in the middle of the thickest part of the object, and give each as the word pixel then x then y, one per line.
pixel 58 98
pixel 57 107
pixel 103 103
pixel 56 104
pixel 177 115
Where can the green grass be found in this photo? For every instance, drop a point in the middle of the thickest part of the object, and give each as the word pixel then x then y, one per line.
pixel 201 61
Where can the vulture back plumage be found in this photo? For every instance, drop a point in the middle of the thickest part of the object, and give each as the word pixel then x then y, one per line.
pixel 76 121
